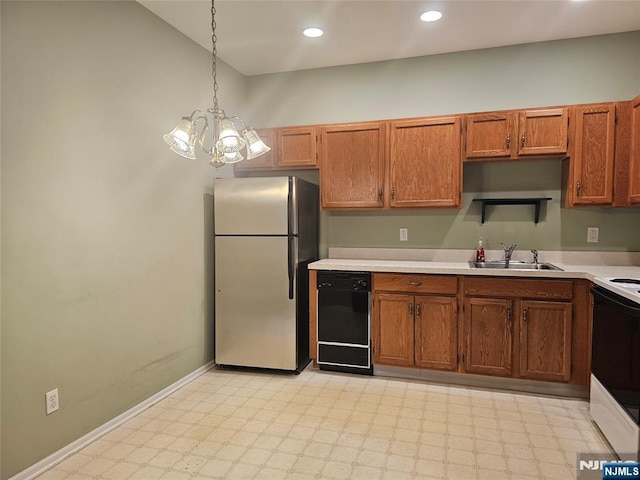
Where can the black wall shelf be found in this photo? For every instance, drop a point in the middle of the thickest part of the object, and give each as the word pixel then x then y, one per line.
pixel 512 201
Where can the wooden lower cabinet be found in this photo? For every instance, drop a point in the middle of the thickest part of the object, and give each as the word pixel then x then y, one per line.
pixel 545 340
pixel 415 321
pixel 523 337
pixel 534 329
pixel 436 332
pixel 489 336
pixel 393 329
pixel 418 330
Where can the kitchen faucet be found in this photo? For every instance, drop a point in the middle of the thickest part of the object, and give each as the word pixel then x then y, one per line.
pixel 508 251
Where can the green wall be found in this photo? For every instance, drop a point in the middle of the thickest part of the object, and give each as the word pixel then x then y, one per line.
pixel 106 272
pixel 558 229
pixel 583 70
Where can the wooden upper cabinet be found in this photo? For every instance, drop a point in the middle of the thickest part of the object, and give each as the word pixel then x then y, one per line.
pixel 516 133
pixel 634 157
pixel 491 135
pixel 592 154
pixel 545 340
pixel 265 161
pixel 543 131
pixel 297 147
pixel 425 162
pixel 352 161
pixel 436 332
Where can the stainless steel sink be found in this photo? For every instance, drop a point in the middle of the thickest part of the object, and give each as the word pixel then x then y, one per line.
pixel 514 265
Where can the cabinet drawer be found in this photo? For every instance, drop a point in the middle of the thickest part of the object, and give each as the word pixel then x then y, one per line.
pixel 415 283
pixel 518 287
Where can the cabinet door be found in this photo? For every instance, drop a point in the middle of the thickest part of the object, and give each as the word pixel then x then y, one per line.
pixel 425 162
pixel 634 159
pixel 592 154
pixel 265 161
pixel 489 336
pixel 543 131
pixel 393 329
pixel 436 332
pixel 352 165
pixel 491 135
pixel 297 147
pixel 545 340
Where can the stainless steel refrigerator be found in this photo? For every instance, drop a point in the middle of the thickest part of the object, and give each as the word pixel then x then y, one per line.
pixel 266 233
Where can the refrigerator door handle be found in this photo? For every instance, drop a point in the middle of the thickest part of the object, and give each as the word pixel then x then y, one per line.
pixel 291 250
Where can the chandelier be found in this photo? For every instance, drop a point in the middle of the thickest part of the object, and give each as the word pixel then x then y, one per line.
pixel 227 144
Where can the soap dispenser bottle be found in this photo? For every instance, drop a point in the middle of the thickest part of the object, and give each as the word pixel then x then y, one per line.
pixel 480 251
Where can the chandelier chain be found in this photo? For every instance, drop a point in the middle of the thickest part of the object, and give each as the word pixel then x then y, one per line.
pixel 214 39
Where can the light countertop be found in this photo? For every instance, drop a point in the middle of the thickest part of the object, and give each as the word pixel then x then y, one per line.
pixel 590 272
pixel 594 273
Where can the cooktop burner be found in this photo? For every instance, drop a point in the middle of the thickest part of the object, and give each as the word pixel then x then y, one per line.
pixel 633 281
pixel 624 286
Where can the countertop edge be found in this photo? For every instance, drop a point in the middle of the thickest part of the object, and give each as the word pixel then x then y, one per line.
pixel 588 272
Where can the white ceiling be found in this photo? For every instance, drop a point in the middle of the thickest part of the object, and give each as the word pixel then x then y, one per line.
pixel 264 36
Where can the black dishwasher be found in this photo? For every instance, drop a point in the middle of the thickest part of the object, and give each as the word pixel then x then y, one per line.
pixel 344 327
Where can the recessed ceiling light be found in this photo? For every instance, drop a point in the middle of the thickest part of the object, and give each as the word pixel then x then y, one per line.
pixel 431 16
pixel 312 32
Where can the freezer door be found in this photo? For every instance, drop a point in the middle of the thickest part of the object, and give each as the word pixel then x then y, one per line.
pixel 255 324
pixel 252 206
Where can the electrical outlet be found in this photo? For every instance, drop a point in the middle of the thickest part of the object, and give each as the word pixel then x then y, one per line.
pixel 404 234
pixel 592 234
pixel 52 401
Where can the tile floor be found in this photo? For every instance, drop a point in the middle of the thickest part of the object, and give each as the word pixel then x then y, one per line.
pixel 321 425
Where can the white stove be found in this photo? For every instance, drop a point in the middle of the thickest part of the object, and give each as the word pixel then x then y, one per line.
pixel 628 287
pixel 615 363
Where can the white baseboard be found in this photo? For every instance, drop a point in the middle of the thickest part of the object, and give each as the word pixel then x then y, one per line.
pixel 48 462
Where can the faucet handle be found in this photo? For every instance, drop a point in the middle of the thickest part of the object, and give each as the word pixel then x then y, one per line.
pixel 535 255
pixel 510 249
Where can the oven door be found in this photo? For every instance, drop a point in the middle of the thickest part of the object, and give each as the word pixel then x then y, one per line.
pixel 615 359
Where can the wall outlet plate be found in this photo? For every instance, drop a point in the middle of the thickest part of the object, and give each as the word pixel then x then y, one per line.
pixel 592 234
pixel 404 234
pixel 52 401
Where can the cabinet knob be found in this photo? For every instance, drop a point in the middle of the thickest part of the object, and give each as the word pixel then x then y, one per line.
pixel 522 140
pixel 578 188
pixel 508 144
pixel 380 192
pixel 393 193
pixel 524 316
pixel 509 315
pixel 411 309
pixel 418 310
